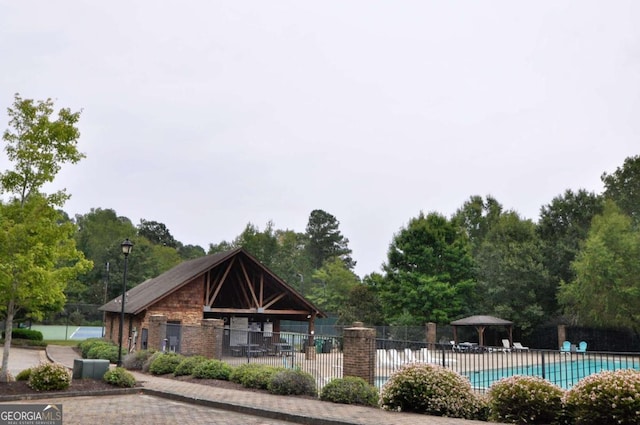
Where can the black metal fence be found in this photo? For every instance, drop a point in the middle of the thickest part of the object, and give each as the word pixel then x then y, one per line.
pixel 485 365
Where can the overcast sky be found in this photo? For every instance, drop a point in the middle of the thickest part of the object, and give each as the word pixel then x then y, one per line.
pixel 207 115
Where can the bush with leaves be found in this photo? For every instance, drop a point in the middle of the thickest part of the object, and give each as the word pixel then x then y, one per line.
pixel 524 399
pixel 350 390
pixel 165 363
pixel 88 344
pixel 106 352
pixel 431 389
pixel 212 369
pixel 293 382
pixel 188 364
pixel 22 333
pixel 137 359
pixel 49 377
pixel 605 398
pixel 147 363
pixel 254 375
pixel 120 377
pixel 23 375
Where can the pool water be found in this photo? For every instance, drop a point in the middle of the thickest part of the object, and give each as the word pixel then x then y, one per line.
pixel 565 374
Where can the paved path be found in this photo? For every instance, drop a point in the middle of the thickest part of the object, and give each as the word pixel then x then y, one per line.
pixel 274 407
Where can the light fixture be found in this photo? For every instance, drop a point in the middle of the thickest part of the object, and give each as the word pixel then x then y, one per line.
pixel 126 246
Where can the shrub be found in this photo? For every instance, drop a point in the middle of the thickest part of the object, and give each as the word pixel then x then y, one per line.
pixel 23 375
pixel 147 363
pixel 165 363
pixel 106 352
pixel 22 333
pixel 88 344
pixel 119 377
pixel 49 376
pixel 188 364
pixel 605 398
pixel 524 399
pixel 254 375
pixel 212 369
pixel 293 382
pixel 431 389
pixel 136 360
pixel 350 390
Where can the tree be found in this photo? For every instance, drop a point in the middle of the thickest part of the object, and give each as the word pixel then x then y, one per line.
pixel 512 279
pixel 623 187
pixel 156 233
pixel 429 272
pixel 331 285
pixel 563 227
pixel 606 289
pixel 476 217
pixel 363 303
pixel 99 234
pixel 325 241
pixel 39 256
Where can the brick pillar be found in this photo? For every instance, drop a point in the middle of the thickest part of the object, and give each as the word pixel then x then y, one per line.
pixel 562 335
pixel 359 352
pixel 431 334
pixel 157 331
pixel 212 338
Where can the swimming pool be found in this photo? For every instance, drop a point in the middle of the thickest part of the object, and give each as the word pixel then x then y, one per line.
pixel 565 374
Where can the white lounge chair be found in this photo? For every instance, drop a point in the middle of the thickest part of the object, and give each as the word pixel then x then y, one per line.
pixel 393 358
pixel 518 347
pixel 506 346
pixel 409 357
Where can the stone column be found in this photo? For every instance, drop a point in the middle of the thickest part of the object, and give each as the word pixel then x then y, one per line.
pixel 212 338
pixel 359 352
pixel 431 335
pixel 562 335
pixel 157 331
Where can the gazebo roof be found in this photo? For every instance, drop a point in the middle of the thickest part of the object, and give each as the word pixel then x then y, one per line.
pixel 481 321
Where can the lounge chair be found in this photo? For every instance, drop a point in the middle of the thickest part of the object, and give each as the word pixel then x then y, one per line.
pixel 506 346
pixel 393 357
pixel 566 348
pixel 518 347
pixel 582 347
pixel 409 357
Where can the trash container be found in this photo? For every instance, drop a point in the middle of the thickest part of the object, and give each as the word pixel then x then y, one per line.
pixel 319 343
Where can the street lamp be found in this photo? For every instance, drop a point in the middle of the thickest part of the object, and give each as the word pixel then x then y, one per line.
pixel 126 250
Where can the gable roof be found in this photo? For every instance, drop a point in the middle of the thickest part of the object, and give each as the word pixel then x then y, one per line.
pixel 151 291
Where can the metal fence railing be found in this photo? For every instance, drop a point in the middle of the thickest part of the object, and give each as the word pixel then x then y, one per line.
pixel 486 365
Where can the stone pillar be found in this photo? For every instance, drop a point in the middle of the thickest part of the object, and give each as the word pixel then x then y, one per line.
pixel 431 335
pixel 359 352
pixel 212 338
pixel 562 335
pixel 157 331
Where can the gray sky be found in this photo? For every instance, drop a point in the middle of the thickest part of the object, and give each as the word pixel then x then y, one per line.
pixel 207 115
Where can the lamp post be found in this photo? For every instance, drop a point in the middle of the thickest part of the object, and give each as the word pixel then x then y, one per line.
pixel 126 250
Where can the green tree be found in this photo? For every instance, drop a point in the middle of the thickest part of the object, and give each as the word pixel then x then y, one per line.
pixel 156 233
pixel 512 279
pixel 429 272
pixel 563 227
pixel 325 241
pixel 39 256
pixel 99 234
pixel 331 285
pixel 363 303
pixel 476 217
pixel 606 289
pixel 190 252
pixel 623 186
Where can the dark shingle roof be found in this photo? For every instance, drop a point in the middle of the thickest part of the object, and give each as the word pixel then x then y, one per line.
pixel 149 291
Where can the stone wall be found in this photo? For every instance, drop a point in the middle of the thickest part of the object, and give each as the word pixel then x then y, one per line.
pixel 359 352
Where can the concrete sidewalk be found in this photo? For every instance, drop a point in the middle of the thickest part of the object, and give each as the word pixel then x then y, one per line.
pixel 294 409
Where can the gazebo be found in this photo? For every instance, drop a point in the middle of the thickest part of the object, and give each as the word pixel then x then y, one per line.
pixel 481 323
